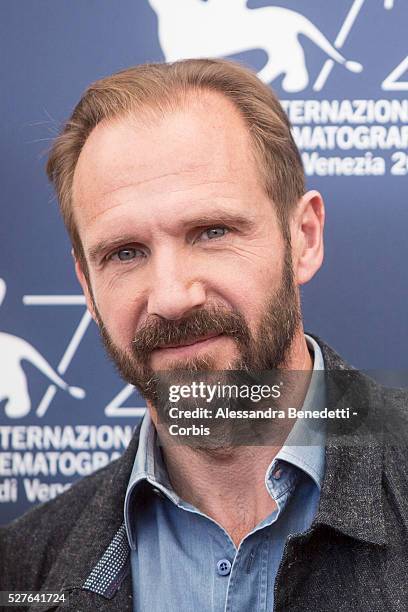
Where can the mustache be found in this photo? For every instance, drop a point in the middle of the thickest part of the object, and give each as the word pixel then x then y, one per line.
pixel 163 332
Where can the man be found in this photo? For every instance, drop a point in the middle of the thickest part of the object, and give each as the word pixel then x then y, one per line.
pixel 183 193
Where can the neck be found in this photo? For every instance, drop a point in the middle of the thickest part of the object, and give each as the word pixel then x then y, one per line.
pixel 228 484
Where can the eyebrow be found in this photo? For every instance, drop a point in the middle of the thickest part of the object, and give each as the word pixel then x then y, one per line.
pixel 244 223
pixel 108 244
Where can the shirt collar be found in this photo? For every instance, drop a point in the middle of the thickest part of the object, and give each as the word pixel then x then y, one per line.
pixel 308 456
pixel 305 445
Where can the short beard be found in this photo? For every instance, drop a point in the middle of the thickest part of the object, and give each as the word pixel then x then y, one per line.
pixel 268 350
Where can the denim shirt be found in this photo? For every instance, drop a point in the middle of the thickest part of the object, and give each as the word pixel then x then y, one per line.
pixel 183 560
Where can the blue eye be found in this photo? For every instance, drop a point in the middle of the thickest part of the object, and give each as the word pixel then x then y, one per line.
pixel 214 232
pixel 127 254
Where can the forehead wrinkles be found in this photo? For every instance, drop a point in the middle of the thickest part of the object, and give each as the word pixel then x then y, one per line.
pixel 209 114
pixel 197 144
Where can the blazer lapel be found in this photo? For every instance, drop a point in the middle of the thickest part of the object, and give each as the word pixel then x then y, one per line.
pixel 93 567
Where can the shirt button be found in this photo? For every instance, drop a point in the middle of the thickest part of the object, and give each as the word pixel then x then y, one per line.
pixel 158 493
pixel 277 473
pixel 223 567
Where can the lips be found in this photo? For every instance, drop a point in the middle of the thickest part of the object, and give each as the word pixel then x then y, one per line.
pixel 189 342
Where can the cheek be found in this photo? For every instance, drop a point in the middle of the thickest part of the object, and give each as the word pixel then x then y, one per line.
pixel 249 290
pixel 119 311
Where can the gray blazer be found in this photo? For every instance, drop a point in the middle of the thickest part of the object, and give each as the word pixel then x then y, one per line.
pixel 353 558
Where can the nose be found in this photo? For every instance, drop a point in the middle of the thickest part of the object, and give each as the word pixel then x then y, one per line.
pixel 174 289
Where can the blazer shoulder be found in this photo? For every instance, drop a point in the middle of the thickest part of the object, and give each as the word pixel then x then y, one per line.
pixel 30 543
pixel 394 433
pixel 395 415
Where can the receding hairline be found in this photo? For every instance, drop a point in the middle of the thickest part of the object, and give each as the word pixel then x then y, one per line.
pixel 148 114
pixel 277 157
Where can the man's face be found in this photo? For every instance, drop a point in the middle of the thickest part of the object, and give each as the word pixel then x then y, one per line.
pixel 187 265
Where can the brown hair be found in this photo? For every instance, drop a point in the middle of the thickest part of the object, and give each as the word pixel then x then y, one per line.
pixel 162 87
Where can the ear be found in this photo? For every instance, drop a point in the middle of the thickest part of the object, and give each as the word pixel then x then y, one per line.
pixel 307 236
pixel 3 289
pixel 85 288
